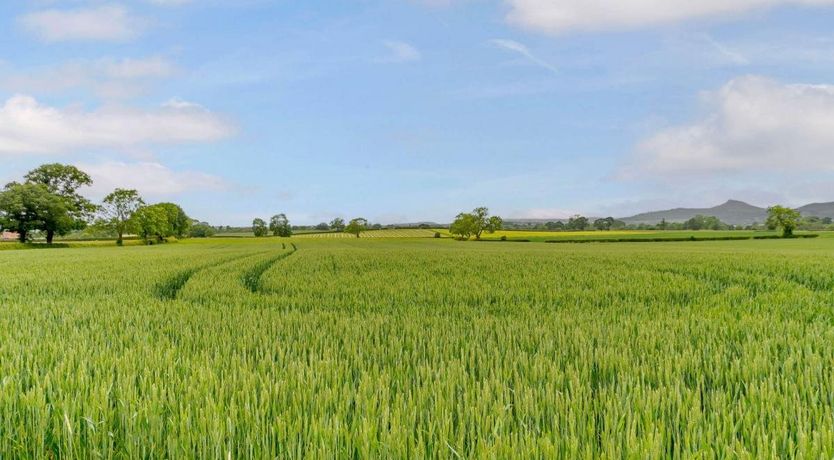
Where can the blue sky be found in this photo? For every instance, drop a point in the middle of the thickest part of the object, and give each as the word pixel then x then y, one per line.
pixel 407 110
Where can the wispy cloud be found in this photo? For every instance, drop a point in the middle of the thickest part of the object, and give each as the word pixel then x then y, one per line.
pixel 399 51
pixel 732 55
pixel 521 49
pixel 101 23
pixel 561 16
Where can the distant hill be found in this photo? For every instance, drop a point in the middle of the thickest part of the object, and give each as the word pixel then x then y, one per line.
pixel 732 212
pixel 818 209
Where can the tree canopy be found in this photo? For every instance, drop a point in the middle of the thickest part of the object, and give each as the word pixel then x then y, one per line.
pixel 578 223
pixel 259 227
pixel 337 224
pixel 700 222
pixel 25 208
pixel 49 203
pixel 117 210
pixel 63 181
pixel 151 223
pixel 357 226
pixel 201 230
pixel 279 225
pixel 608 223
pixel 467 225
pixel 178 221
pixel 158 222
pixel 784 218
pixel 58 178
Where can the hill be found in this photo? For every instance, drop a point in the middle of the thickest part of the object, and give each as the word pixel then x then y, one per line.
pixel 732 212
pixel 817 209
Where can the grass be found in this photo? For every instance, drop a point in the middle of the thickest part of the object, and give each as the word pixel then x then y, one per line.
pixel 418 348
pixel 12 245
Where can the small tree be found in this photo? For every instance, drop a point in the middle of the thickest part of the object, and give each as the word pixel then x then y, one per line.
pixel 604 224
pixel 201 230
pixel 464 226
pixel 151 223
pixel 785 218
pixel 557 225
pixel 117 209
pixel 356 226
pixel 577 222
pixel 259 227
pixel 178 221
pixel 279 225
pixel 477 222
pixel 337 224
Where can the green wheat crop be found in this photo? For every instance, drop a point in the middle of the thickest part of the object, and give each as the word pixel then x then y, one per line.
pixel 432 348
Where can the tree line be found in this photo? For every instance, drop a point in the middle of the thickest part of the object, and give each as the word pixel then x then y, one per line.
pixel 48 202
pixel 787 220
pixel 280 226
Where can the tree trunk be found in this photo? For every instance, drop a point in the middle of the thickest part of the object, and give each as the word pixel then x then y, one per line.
pixel 21 235
pixel 50 234
pixel 119 241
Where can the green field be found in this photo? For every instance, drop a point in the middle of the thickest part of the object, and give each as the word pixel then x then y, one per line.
pixel 418 348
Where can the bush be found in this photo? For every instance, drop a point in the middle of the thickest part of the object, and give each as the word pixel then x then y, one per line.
pixel 437 234
pixel 201 230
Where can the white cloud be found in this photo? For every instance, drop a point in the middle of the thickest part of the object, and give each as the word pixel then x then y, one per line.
pixel 101 23
pixel 151 179
pixel 516 47
pixel 108 78
pixel 560 16
pixel 753 124
pixel 401 52
pixel 28 127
